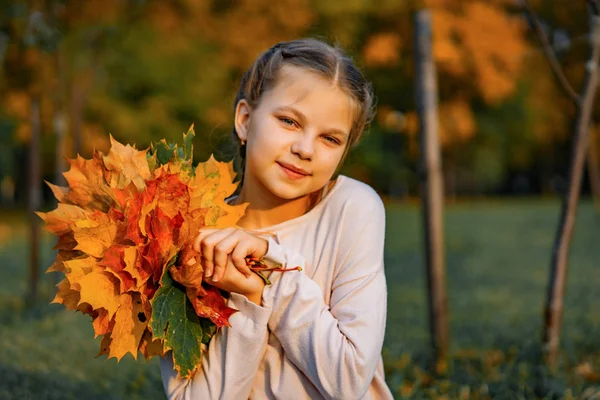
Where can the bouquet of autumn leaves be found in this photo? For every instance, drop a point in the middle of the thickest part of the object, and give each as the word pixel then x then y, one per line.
pixel 126 224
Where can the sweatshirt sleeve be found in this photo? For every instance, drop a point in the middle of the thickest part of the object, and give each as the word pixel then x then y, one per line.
pixel 337 345
pixel 231 362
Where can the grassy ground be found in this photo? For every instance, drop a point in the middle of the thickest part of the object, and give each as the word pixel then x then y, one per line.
pixel 498 256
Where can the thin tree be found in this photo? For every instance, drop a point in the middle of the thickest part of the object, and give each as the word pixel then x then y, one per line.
pixel 34 178
pixel 584 101
pixel 432 194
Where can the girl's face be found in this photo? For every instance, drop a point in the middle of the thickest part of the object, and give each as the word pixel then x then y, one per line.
pixel 296 136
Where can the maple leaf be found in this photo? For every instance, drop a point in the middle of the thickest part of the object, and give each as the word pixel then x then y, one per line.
pixel 102 324
pixel 87 186
pixel 95 234
pixel 175 321
pixel 149 346
pixel 67 296
pixel 130 322
pixel 213 306
pixel 127 165
pixel 122 222
pixel 77 268
pixel 116 259
pixel 190 276
pixel 99 289
pixel 210 188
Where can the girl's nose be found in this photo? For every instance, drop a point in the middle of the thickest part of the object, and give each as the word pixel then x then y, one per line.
pixel 303 147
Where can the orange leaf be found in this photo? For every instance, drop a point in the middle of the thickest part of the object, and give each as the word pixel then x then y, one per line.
pixel 102 324
pixel 114 261
pixel 190 276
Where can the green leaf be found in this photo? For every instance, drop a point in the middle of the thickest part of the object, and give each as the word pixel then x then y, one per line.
pixel 151 161
pixel 187 144
pixel 175 321
pixel 164 152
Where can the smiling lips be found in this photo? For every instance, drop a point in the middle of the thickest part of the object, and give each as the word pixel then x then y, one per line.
pixel 293 172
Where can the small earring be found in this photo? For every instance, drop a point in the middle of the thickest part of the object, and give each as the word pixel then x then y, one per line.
pixel 243 142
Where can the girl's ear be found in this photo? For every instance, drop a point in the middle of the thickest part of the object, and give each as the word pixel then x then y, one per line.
pixel 242 119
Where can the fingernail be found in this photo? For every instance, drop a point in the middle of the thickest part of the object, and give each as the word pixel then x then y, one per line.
pixel 214 278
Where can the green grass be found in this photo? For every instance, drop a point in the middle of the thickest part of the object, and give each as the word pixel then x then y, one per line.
pixel 497 265
pixel 498 260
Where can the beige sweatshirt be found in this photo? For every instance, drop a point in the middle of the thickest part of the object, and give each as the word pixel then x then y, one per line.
pixel 319 332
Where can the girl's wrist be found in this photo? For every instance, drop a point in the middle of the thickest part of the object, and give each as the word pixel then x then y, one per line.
pixel 255 296
pixel 255 290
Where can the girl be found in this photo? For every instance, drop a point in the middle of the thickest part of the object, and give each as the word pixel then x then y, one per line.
pixel 317 333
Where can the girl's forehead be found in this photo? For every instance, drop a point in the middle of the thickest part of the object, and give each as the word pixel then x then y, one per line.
pixel 299 87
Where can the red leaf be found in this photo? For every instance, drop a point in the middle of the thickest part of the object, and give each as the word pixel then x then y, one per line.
pixel 212 306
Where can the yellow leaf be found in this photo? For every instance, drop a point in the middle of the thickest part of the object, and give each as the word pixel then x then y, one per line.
pixel 127 164
pixel 59 192
pixel 66 296
pixel 149 347
pixel 77 269
pixel 88 186
pixel 210 176
pixel 100 290
pixel 130 324
pixel 130 257
pixel 60 220
pixel 224 215
pixel 96 234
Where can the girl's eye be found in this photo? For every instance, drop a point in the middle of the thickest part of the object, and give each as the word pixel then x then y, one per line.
pixel 332 139
pixel 288 121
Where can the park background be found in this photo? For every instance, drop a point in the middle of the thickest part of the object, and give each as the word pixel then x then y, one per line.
pixel 73 72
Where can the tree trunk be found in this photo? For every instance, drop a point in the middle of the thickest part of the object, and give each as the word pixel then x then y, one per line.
pixel 34 198
pixel 593 164
pixel 558 275
pixel 431 186
pixel 77 96
pixel 60 127
pixel 60 121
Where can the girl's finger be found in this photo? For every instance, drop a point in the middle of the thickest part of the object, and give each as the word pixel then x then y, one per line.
pixel 238 257
pixel 221 255
pixel 207 248
pixel 202 233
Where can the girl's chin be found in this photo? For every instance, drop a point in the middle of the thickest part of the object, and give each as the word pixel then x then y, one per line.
pixel 288 192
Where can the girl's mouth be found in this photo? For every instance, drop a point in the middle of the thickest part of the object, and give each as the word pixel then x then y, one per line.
pixel 293 172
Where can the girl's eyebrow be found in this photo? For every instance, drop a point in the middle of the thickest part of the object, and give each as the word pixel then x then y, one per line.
pixel 297 113
pixel 302 118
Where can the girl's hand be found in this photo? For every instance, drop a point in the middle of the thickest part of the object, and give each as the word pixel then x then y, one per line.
pixel 217 246
pixel 234 281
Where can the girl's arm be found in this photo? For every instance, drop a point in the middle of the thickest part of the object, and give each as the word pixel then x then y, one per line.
pixel 337 346
pixel 230 365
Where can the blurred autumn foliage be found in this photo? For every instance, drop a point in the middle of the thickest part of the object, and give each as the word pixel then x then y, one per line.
pixel 147 69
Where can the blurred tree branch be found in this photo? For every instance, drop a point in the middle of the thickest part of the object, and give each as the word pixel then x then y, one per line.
pixel 560 252
pixel 541 35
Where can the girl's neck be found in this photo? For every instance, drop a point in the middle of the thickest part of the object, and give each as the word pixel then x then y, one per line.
pixel 266 210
